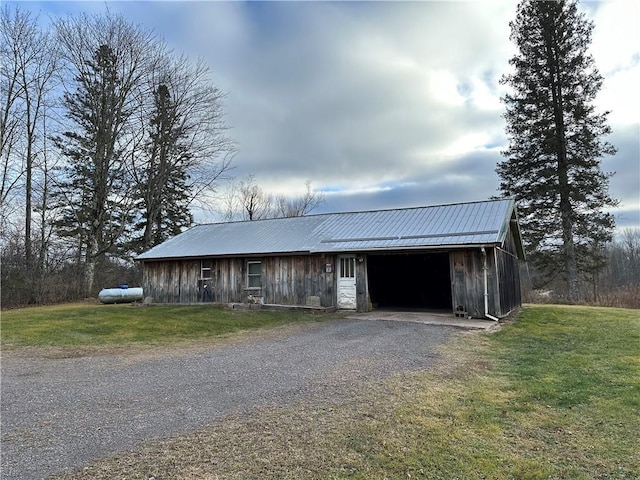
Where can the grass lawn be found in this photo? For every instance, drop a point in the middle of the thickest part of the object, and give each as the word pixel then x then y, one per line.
pixel 91 325
pixel 555 394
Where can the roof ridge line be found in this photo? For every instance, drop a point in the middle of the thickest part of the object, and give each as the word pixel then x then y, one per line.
pixel 352 212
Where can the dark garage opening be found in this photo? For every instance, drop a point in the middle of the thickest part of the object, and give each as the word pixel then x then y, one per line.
pixel 420 281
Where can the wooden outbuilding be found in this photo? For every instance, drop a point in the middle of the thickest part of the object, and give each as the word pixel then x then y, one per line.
pixel 459 258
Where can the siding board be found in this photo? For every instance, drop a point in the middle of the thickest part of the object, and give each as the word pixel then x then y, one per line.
pixel 467 276
pixel 292 279
pixel 287 280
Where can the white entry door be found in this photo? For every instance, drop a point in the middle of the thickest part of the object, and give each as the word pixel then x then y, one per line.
pixel 347 282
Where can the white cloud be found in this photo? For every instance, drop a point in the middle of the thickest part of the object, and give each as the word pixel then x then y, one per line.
pixel 616 35
pixel 616 50
pixel 620 96
pixel 466 144
pixel 390 103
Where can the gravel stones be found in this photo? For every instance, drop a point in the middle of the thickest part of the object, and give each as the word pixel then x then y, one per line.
pixel 61 413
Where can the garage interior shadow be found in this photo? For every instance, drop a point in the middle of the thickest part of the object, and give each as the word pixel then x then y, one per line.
pixel 410 281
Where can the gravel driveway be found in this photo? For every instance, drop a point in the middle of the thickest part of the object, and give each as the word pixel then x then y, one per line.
pixel 60 413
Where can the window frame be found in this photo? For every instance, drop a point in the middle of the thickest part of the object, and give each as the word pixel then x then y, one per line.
pixel 253 276
pixel 203 268
pixel 347 267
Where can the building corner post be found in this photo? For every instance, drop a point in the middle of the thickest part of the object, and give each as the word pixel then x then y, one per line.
pixel 486 287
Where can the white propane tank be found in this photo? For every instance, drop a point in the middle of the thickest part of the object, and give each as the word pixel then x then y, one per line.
pixel 124 294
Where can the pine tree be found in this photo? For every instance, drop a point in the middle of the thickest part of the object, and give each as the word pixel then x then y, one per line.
pixel 106 60
pixel 556 143
pixel 162 179
pixel 182 149
pixel 91 194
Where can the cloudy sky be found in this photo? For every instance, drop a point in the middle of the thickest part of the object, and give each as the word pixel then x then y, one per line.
pixel 381 104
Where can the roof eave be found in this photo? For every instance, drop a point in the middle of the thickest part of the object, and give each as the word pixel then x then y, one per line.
pixel 224 255
pixel 441 246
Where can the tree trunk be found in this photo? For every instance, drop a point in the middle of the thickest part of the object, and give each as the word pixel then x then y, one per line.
pixel 31 273
pixel 28 247
pixel 90 265
pixel 570 263
pixel 566 212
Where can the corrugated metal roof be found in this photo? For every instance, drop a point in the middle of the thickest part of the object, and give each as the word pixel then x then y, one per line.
pixel 477 223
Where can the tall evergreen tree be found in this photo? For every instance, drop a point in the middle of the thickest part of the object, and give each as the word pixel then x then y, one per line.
pixel 106 60
pixel 92 210
pixel 162 178
pixel 182 150
pixel 553 161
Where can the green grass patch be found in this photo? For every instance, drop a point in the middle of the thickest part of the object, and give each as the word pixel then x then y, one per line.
pixel 554 395
pixel 83 325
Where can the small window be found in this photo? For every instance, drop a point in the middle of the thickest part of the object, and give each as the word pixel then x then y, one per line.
pixel 254 274
pixel 347 267
pixel 205 269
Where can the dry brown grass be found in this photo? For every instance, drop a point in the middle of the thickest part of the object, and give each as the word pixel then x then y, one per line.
pixel 626 297
pixel 623 297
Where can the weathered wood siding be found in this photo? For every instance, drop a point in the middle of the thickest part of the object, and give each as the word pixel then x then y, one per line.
pixel 508 268
pixel 363 300
pixel 228 280
pixel 503 280
pixel 291 280
pixel 287 280
pixel 171 282
pixel 467 278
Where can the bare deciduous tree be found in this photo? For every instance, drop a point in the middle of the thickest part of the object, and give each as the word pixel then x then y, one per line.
pixel 184 150
pixel 300 205
pixel 245 200
pixel 254 202
pixel 11 124
pixel 29 62
pixel 139 137
pixel 623 261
